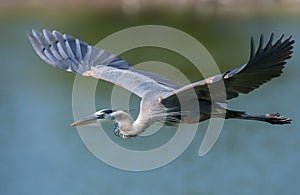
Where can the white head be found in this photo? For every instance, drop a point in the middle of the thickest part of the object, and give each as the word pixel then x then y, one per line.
pixel 123 121
pixel 101 115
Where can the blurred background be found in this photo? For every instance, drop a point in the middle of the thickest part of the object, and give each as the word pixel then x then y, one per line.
pixel 41 154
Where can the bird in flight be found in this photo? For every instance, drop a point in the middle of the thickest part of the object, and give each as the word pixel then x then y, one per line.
pixel 162 100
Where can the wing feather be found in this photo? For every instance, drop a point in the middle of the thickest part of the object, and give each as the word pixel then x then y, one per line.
pixel 67 53
pixel 264 64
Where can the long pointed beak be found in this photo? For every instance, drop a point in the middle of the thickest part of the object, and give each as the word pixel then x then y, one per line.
pixel 88 120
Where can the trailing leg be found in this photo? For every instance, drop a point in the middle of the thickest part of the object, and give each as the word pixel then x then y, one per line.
pixel 269 118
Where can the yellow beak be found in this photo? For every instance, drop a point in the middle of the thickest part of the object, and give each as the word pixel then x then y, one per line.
pixel 88 120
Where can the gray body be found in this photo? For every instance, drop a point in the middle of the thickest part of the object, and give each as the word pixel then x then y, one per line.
pixel 162 100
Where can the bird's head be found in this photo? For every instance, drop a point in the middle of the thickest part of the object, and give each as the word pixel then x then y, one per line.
pixel 101 115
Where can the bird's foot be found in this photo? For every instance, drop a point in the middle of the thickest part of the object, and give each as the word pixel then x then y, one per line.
pixel 277 119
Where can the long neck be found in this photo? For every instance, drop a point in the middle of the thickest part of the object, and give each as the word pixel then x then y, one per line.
pixel 127 124
pixel 141 124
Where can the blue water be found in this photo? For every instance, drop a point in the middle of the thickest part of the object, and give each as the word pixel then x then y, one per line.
pixel 41 154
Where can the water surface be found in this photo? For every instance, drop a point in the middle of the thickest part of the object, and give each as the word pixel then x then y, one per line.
pixel 41 154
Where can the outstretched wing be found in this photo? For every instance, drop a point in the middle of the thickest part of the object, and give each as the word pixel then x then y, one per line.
pixel 264 64
pixel 70 54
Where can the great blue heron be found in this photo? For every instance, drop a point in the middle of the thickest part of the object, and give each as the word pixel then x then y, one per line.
pixel 160 97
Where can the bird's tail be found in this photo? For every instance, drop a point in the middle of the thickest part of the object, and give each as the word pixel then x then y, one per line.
pixel 269 118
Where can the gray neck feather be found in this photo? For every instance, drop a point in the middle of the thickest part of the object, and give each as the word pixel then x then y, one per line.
pixel 126 123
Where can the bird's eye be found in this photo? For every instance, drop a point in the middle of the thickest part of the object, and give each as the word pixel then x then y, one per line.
pixel 101 116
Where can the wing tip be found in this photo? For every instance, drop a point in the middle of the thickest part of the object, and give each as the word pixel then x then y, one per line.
pixel 252 48
pixel 269 45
